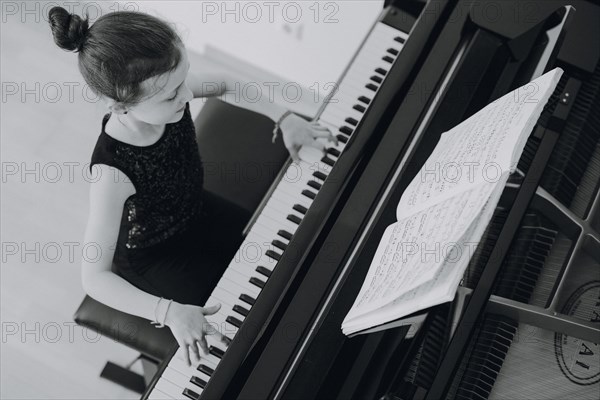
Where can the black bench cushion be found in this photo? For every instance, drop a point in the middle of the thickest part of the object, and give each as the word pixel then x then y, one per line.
pixel 240 161
pixel 131 330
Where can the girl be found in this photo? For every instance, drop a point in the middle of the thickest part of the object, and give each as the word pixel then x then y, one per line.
pixel 154 208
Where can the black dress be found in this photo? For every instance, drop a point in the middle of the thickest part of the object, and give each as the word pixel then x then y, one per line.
pixel 175 240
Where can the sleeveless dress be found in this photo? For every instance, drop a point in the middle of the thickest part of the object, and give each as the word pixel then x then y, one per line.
pixel 175 240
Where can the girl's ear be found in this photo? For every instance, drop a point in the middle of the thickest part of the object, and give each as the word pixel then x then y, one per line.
pixel 115 107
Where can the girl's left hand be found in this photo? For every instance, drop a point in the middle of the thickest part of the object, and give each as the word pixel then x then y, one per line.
pixel 298 132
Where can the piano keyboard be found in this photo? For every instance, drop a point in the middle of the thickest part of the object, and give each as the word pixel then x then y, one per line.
pixel 266 241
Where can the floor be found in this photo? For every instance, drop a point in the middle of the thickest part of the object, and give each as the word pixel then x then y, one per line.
pixel 47 136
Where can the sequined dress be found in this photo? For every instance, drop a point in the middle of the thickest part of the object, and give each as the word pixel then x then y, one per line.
pixel 175 240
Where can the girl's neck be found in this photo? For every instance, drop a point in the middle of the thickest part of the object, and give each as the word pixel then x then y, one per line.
pixel 132 131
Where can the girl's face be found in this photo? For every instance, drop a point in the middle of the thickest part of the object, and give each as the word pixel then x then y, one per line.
pixel 169 92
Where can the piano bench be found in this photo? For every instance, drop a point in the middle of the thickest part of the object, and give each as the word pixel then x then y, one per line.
pixel 154 345
pixel 240 162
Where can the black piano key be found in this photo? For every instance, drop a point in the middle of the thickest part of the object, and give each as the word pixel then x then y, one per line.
pixel 372 87
pixel 342 138
pixel 215 351
pixel 273 255
pixel 359 108
pixel 376 79
pixel 399 39
pixel 309 194
pixel 294 218
pixel 285 234
pixel 314 185
pixel 334 152
pixel 257 282
pixel 263 270
pixel 205 369
pixel 393 51
pixel 364 99
pixel 279 244
pixel 248 299
pixel 320 175
pixel 381 71
pixel 241 310
pixel 198 382
pixel 387 59
pixel 300 208
pixel 191 394
pixel 328 161
pixel 346 130
pixel 351 121
pixel 233 321
pixel 226 340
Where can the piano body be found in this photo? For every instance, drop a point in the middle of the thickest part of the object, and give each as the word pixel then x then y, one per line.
pixel 525 321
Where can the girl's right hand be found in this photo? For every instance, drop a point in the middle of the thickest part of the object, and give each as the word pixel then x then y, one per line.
pixel 189 326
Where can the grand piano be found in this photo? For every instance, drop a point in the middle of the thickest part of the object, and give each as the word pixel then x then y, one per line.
pixel 525 322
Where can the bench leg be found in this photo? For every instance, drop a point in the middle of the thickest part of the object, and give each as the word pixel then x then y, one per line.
pixel 125 377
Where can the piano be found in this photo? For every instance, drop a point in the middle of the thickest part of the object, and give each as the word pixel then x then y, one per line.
pixel 525 321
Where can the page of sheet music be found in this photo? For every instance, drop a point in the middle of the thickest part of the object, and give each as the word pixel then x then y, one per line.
pixel 480 149
pixel 412 250
pixel 441 288
pixel 421 258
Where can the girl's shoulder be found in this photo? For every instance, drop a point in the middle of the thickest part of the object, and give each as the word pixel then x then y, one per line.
pixel 105 153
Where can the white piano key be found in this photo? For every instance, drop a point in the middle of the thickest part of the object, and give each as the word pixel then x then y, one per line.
pixel 337 122
pixel 342 112
pixel 242 282
pixel 225 328
pixel 236 288
pixel 171 389
pixel 345 110
pixel 268 234
pixel 253 262
pixel 253 247
pixel 224 297
pixel 310 154
pixel 286 197
pixel 294 190
pixel 345 100
pixel 352 91
pixel 229 312
pixel 303 173
pixel 279 205
pixel 247 270
pixel 158 394
pixel 272 220
pixel 180 365
pixel 179 379
pixel 280 218
pixel 269 224
pixel 296 173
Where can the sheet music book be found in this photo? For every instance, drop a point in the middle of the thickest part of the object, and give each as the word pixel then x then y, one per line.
pixel 444 211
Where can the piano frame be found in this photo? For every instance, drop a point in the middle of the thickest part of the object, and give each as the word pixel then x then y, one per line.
pixel 282 355
pixel 295 322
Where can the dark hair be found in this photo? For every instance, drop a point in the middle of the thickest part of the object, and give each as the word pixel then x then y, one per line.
pixel 119 51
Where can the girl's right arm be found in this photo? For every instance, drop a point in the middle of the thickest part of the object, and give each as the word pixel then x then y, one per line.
pixel 107 199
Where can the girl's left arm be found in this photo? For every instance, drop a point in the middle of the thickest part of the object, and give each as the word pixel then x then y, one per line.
pixel 296 131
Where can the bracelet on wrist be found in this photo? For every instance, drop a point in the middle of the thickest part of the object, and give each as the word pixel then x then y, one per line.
pixel 155 322
pixel 276 129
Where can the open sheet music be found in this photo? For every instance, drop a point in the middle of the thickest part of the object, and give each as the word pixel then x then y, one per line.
pixel 444 211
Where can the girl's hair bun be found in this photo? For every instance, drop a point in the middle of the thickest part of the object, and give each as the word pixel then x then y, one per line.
pixel 69 30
